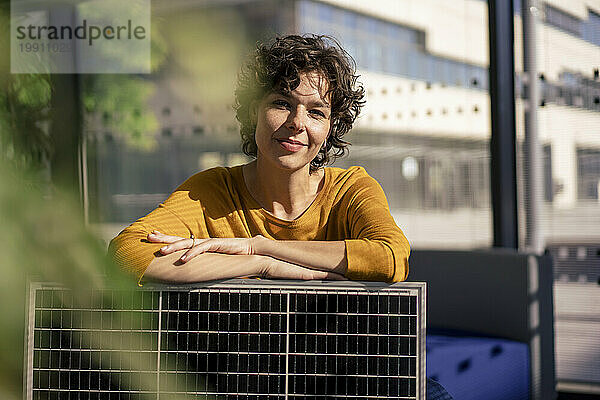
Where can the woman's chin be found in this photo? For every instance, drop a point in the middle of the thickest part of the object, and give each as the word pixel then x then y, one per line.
pixel 289 162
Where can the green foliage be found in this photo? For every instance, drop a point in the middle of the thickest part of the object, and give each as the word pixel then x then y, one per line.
pixel 42 240
pixel 24 115
pixel 26 137
pixel 120 100
pixel 43 237
pixel 31 90
pixel 24 102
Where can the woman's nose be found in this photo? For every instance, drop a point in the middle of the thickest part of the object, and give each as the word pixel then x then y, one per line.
pixel 297 121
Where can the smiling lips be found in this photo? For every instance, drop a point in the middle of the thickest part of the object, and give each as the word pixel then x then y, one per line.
pixel 290 144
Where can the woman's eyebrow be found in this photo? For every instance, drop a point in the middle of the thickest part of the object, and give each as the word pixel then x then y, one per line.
pixel 319 103
pixel 316 103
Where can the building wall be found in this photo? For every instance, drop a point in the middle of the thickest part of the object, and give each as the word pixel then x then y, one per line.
pixel 398 104
pixel 458 31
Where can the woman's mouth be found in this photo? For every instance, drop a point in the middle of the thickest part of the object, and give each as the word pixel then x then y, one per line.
pixel 290 145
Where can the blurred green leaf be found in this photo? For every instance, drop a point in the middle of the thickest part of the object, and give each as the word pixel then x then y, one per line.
pixel 42 231
pixel 44 240
pixel 123 98
pixel 31 90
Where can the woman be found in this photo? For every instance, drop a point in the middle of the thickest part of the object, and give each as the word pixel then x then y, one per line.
pixel 283 215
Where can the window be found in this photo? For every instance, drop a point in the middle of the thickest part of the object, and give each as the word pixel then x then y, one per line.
pixel 563 21
pixel 588 174
pixel 591 28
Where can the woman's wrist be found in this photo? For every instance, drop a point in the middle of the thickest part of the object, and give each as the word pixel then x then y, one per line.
pixel 315 255
pixel 206 267
pixel 259 245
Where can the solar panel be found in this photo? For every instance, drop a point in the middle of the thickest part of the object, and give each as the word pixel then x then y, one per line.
pixel 236 339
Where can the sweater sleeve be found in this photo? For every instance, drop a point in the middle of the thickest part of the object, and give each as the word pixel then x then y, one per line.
pixel 178 215
pixel 378 249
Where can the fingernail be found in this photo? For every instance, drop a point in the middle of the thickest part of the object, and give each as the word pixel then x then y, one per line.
pixel 163 248
pixel 183 257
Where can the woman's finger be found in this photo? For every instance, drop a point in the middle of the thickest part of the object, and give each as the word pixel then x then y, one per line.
pixel 218 245
pixel 177 245
pixel 209 245
pixel 193 252
pixel 157 237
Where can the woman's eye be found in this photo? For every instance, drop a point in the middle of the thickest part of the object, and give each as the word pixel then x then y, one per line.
pixel 318 113
pixel 281 103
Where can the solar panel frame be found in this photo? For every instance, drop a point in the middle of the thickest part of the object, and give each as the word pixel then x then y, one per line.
pixel 312 341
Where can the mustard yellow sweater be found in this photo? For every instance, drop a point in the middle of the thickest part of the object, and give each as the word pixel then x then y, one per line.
pixel 216 203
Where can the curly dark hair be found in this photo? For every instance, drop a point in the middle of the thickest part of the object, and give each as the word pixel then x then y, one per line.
pixel 276 66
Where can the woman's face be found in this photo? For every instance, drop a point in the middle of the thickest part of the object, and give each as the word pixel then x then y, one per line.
pixel 290 129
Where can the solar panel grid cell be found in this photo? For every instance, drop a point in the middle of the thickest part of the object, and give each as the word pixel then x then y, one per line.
pixel 249 343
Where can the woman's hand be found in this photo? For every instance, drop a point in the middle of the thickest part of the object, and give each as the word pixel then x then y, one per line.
pixel 277 269
pixel 241 246
pixel 168 269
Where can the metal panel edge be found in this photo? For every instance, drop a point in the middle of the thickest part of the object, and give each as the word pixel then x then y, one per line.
pixel 422 335
pixel 28 345
pixel 287 284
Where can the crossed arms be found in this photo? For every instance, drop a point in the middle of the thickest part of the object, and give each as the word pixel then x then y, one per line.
pixel 187 260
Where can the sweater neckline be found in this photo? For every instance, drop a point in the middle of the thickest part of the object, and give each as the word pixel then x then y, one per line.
pixel 241 183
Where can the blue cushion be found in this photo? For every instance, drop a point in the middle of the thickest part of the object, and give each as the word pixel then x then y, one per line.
pixel 472 367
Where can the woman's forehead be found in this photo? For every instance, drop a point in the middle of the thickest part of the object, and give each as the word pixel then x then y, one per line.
pixel 312 84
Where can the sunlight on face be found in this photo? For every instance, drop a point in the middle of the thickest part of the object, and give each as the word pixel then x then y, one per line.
pixel 291 128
